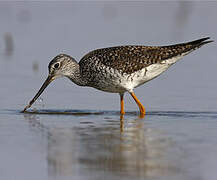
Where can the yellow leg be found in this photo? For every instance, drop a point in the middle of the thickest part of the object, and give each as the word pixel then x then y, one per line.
pixel 141 107
pixel 122 113
pixel 122 104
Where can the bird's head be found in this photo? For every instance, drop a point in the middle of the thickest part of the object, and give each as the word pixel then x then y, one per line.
pixel 60 66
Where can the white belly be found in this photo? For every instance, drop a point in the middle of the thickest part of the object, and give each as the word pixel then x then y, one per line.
pixel 140 77
pixel 119 83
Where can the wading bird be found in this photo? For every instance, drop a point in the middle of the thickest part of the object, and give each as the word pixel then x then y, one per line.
pixel 118 69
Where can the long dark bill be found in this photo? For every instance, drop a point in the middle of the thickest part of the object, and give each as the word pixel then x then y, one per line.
pixel 46 83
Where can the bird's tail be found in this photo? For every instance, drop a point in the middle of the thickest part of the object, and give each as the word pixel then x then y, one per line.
pixel 182 49
pixel 198 43
pixel 176 51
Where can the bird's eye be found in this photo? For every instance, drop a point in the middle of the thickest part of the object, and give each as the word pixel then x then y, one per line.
pixel 56 66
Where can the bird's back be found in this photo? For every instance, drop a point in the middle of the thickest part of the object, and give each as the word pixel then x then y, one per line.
pixel 130 59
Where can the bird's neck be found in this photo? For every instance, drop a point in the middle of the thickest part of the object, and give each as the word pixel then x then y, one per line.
pixel 76 76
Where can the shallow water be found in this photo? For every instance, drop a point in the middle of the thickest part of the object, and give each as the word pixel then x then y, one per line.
pixel 164 145
pixel 76 133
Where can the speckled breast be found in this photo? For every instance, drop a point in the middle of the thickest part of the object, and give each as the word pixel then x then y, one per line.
pixel 103 78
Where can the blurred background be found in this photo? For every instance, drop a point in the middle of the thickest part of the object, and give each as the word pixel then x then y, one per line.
pixel 32 33
pixel 175 141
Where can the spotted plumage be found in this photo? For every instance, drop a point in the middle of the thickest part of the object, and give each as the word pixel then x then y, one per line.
pixel 122 68
pixel 128 59
pixel 118 69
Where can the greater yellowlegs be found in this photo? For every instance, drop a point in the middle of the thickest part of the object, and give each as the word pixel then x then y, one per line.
pixel 118 69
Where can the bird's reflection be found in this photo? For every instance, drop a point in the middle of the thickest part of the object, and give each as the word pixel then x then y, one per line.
pixel 88 148
pixel 135 151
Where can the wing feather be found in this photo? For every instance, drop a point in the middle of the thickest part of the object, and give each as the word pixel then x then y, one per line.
pixel 128 59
